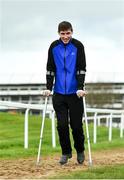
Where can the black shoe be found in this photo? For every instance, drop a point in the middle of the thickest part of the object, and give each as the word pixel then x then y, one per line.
pixel 80 157
pixel 64 158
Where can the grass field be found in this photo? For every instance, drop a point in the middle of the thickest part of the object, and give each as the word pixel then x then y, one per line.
pixel 113 172
pixel 12 144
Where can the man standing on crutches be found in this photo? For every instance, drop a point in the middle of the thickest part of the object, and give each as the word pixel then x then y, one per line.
pixel 67 63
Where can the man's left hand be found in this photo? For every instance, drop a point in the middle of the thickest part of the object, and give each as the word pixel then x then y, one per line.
pixel 81 93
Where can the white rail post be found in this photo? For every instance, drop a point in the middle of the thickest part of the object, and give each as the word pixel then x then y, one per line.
pixel 53 130
pixel 95 128
pixel 26 129
pixel 110 127
pixel 122 125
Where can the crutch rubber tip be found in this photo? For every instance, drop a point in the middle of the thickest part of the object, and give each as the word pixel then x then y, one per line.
pixel 90 164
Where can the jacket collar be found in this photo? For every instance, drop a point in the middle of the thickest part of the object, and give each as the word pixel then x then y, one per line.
pixel 63 43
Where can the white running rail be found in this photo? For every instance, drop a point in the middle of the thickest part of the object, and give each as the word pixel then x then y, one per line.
pixel 98 114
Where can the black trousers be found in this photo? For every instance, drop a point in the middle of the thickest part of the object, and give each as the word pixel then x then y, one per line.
pixel 69 111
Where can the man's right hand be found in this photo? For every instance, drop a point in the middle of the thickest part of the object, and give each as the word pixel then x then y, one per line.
pixel 46 92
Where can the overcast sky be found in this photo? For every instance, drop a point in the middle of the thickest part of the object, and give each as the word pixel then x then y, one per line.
pixel 27 28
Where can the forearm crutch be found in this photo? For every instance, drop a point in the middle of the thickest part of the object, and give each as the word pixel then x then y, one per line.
pixel 87 132
pixel 41 131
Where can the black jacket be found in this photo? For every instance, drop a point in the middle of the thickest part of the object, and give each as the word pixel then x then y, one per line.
pixel 67 63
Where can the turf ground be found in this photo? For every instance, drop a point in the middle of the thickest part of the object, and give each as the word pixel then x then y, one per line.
pixel 17 162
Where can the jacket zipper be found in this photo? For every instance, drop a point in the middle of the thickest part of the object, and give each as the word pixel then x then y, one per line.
pixel 65 67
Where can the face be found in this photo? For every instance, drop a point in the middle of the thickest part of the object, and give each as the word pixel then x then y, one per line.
pixel 65 36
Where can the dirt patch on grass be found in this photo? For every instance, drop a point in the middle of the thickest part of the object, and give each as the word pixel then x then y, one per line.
pixel 49 166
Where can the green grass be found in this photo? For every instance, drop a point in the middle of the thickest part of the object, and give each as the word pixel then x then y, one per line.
pixel 12 137
pixel 106 172
pixel 12 144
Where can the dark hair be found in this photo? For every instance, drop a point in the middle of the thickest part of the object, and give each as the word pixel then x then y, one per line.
pixel 64 26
